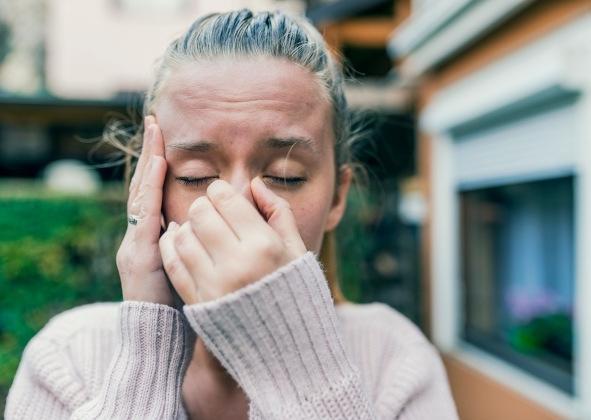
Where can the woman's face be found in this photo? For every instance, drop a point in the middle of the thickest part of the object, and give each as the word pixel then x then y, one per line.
pixel 236 119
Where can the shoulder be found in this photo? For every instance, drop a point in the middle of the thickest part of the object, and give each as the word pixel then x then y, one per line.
pixel 401 368
pixel 84 319
pixel 75 332
pixel 69 355
pixel 79 340
pixel 381 319
pixel 392 353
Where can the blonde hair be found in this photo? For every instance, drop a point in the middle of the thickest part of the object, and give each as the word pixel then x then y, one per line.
pixel 243 33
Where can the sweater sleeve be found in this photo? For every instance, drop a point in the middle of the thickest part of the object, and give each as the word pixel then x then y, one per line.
pixel 280 340
pixel 143 379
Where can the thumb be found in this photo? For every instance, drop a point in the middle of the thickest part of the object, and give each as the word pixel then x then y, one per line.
pixel 277 212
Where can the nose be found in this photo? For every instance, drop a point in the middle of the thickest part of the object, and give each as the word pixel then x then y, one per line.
pixel 241 183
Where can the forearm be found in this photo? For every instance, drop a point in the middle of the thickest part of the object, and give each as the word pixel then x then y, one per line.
pixel 145 376
pixel 143 379
pixel 279 339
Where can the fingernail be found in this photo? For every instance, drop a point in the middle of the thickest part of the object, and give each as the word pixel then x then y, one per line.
pixel 172 226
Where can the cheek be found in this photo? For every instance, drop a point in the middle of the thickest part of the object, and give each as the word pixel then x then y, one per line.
pixel 310 222
pixel 176 203
pixel 311 215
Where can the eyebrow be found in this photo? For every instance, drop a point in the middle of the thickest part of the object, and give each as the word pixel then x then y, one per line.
pixel 277 143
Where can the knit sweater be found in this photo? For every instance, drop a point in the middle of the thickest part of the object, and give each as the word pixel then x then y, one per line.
pixel 292 351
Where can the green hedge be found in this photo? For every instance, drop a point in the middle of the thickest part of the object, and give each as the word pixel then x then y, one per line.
pixel 55 253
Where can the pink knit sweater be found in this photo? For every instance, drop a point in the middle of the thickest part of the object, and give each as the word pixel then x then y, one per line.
pixel 295 355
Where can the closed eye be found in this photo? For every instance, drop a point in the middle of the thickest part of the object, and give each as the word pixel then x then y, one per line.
pixel 186 180
pixel 275 180
pixel 285 181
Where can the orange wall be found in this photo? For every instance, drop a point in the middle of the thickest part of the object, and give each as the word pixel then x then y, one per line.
pixel 478 397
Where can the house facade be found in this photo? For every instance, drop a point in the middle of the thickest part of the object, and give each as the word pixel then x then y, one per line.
pixel 503 94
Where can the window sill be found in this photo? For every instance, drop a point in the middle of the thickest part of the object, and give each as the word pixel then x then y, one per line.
pixel 519 381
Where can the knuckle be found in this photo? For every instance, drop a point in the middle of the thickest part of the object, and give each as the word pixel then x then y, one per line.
pixel 269 248
pixel 123 259
pixel 120 257
pixel 171 264
pixel 123 251
pixel 239 279
pixel 181 239
pixel 140 197
pixel 134 181
pixel 132 203
pixel 147 186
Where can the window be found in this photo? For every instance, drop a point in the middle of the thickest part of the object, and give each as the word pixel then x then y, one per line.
pixel 517 261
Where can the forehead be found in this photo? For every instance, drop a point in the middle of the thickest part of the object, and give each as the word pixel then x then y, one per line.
pixel 244 79
pixel 243 98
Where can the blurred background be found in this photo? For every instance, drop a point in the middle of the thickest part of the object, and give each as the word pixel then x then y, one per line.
pixel 474 220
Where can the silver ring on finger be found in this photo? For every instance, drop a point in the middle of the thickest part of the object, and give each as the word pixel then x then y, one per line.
pixel 132 220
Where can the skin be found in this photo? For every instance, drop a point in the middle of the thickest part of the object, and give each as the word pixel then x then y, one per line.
pixel 238 158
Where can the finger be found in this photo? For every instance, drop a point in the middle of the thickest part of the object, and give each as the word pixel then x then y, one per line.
pixel 155 146
pixel 157 140
pixel 278 214
pixel 147 204
pixel 144 157
pixel 211 229
pixel 192 252
pixel 239 213
pixel 177 272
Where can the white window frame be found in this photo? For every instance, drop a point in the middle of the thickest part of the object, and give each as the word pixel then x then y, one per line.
pixel 558 62
pixel 442 27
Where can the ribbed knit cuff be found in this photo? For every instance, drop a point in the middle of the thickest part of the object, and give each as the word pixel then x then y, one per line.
pixel 279 339
pixel 145 376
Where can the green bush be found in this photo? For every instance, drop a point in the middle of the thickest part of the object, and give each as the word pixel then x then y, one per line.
pixel 56 252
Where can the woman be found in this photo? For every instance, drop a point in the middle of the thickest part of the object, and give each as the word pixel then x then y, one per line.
pixel 244 164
